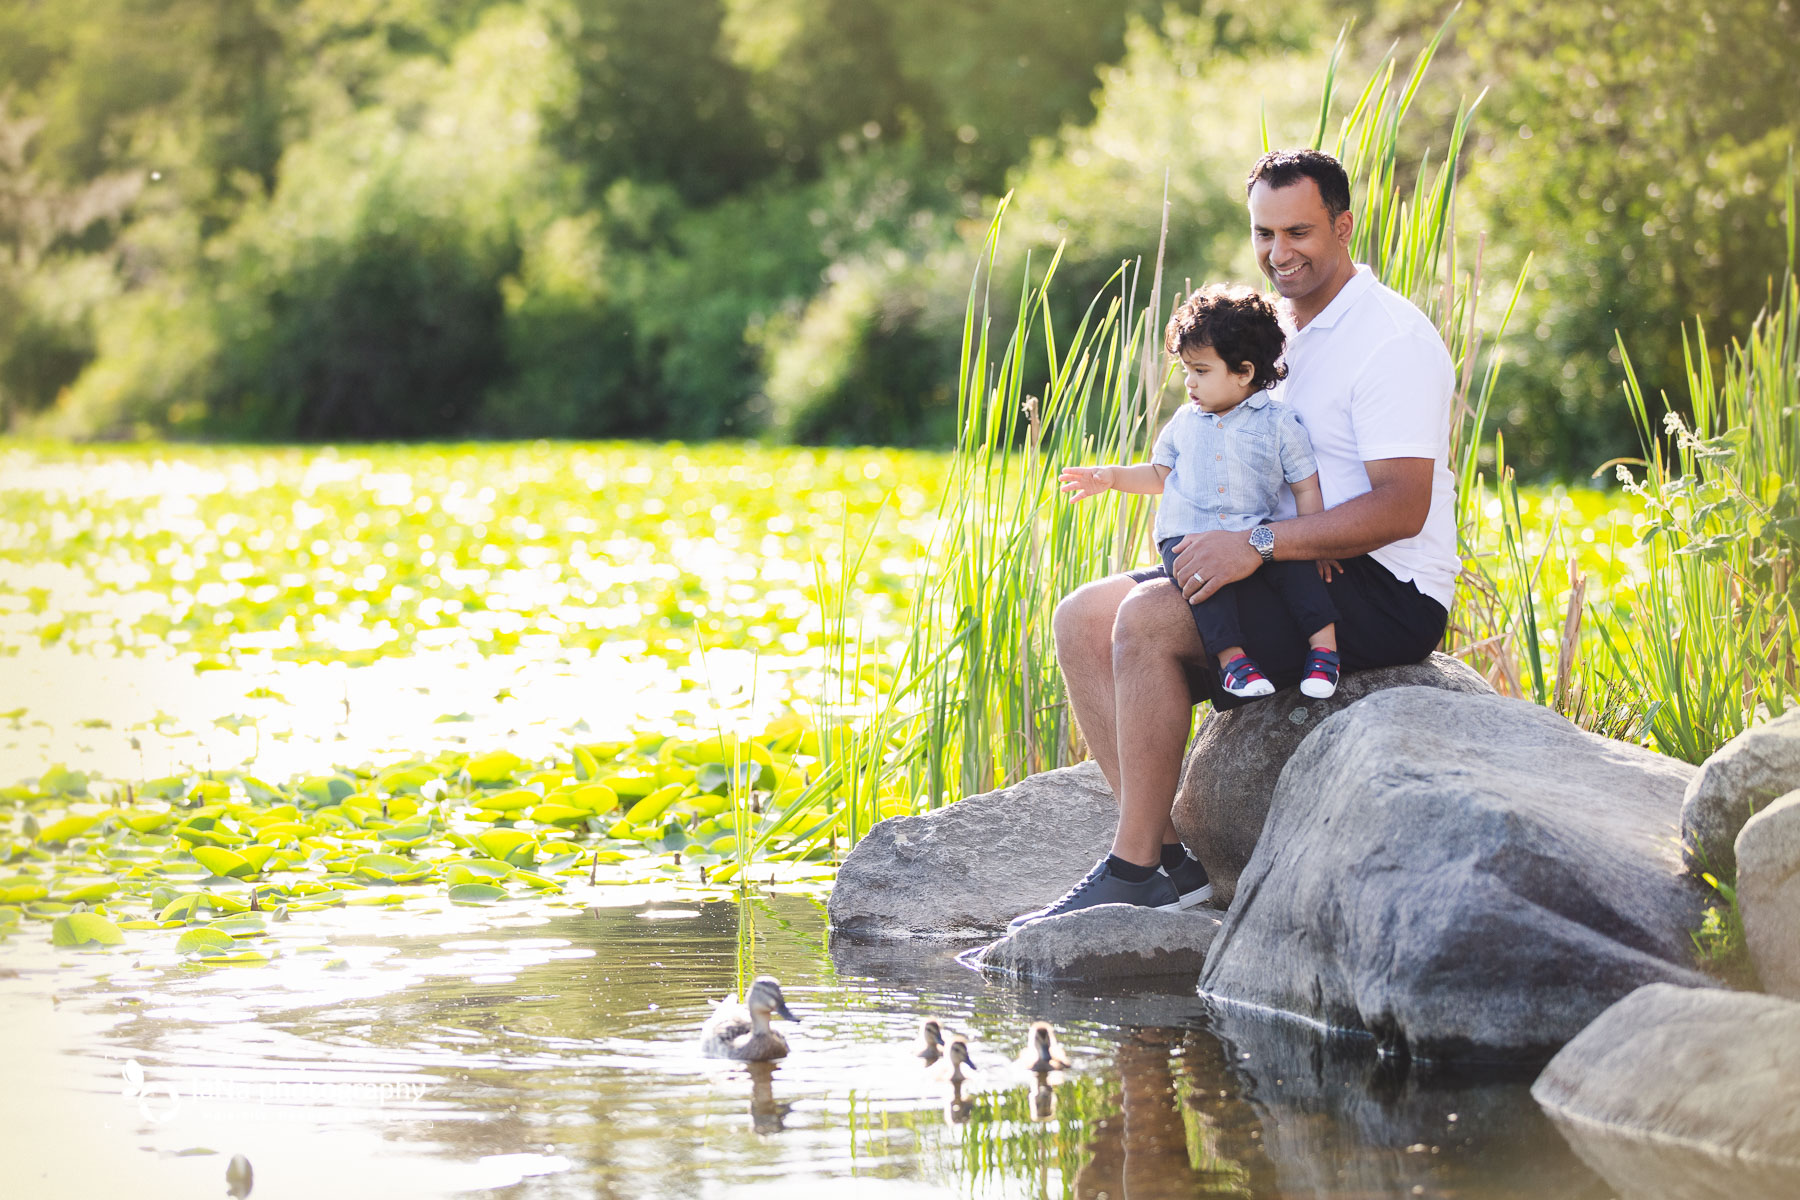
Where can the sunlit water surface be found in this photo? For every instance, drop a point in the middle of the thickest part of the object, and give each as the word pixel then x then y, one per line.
pixel 441 1052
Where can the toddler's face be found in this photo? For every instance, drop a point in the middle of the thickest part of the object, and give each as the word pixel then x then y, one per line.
pixel 1210 384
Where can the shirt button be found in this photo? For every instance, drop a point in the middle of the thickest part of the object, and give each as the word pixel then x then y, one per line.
pixel 1218 458
pixel 1221 489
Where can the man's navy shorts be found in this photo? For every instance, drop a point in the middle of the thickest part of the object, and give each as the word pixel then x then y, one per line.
pixel 1382 622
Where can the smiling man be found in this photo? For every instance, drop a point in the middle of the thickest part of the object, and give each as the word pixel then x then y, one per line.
pixel 1369 377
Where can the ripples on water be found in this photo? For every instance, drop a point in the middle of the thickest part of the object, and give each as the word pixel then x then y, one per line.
pixel 554 1056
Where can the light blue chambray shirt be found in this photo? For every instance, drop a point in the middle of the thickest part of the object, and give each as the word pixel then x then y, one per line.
pixel 1227 470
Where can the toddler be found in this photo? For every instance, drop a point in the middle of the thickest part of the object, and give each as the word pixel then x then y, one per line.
pixel 1220 463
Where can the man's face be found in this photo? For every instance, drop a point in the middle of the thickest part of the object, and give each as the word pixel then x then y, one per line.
pixel 1299 247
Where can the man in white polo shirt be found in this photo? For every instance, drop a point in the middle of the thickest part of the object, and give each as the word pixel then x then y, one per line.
pixel 1370 379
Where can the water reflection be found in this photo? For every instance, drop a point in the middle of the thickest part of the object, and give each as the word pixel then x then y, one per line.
pixel 561 1050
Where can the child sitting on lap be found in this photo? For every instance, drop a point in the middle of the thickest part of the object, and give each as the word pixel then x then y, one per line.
pixel 1220 464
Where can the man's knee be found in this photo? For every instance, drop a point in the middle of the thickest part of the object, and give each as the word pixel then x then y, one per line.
pixel 1153 621
pixel 1083 620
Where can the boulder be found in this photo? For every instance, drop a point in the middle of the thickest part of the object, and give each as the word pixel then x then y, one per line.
pixel 1768 893
pixel 968 868
pixel 1108 941
pixel 1684 1092
pixel 1740 778
pixel 1467 878
pixel 1236 757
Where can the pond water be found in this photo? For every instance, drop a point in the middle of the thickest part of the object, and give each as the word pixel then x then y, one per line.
pixel 551 1052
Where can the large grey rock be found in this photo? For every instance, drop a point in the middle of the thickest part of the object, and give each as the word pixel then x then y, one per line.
pixel 1684 1092
pixel 1109 941
pixel 1236 757
pixel 1466 877
pixel 1740 778
pixel 967 869
pixel 1768 893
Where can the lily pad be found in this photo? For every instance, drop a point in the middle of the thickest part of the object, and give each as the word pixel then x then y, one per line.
pixel 81 928
pixel 476 893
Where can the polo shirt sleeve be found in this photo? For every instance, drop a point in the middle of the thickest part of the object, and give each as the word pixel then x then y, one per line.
pixel 1297 459
pixel 1400 400
pixel 1163 454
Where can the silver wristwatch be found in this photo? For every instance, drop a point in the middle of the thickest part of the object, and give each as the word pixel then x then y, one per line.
pixel 1263 539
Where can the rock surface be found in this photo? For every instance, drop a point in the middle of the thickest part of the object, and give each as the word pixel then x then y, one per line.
pixel 1109 941
pixel 1768 892
pixel 1741 777
pixel 1465 877
pixel 1236 757
pixel 967 869
pixel 1684 1092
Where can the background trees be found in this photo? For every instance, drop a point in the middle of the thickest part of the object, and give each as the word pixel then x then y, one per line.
pixel 342 218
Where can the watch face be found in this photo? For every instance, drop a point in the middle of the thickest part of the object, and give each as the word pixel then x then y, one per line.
pixel 1263 538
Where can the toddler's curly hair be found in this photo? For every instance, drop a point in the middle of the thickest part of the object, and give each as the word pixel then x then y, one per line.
pixel 1237 323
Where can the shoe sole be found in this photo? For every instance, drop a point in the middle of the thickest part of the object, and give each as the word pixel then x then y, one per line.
pixel 1265 688
pixel 1193 899
pixel 1317 690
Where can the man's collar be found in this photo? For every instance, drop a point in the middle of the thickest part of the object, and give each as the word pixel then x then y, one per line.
pixel 1353 288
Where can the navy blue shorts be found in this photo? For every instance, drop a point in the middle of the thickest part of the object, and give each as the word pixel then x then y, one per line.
pixel 1382 622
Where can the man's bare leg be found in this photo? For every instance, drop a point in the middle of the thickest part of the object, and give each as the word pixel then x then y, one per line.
pixel 1084 649
pixel 1086 624
pixel 1153 645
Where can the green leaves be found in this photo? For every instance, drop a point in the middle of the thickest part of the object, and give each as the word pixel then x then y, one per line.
pixel 83 928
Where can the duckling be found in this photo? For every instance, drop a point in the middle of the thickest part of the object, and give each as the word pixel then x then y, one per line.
pixel 931 1041
pixel 1042 1055
pixel 956 1065
pixel 742 1031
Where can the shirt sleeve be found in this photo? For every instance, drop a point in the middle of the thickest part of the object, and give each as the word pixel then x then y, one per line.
pixel 1400 401
pixel 1297 459
pixel 1163 454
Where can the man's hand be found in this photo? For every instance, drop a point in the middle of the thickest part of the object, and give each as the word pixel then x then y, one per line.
pixel 1081 482
pixel 1206 562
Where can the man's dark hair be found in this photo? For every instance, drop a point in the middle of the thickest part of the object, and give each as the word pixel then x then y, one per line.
pixel 1238 324
pixel 1281 168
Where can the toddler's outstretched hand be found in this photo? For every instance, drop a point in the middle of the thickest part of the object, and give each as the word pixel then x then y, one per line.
pixel 1081 482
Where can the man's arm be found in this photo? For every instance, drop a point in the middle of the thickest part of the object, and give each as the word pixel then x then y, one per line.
pixel 1394 507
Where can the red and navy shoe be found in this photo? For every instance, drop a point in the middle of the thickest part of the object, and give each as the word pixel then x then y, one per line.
pixel 1239 677
pixel 1321 678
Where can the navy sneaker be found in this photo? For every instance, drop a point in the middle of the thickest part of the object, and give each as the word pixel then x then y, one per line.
pixel 1103 887
pixel 1190 882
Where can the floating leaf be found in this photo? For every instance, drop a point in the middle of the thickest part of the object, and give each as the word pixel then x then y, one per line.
pixel 78 929
pixel 511 800
pixel 204 941
pixel 655 804
pixel 59 832
pixel 388 868
pixel 90 894
pixel 224 863
pixel 494 767
pixel 476 893
pixel 511 846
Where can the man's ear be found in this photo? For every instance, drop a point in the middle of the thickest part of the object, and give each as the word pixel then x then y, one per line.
pixel 1344 226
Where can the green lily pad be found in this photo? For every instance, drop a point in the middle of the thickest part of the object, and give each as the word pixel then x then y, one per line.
pixel 78 929
pixel 476 893
pixel 205 941
pixel 494 767
pixel 511 846
pixel 388 868
pixel 226 864
pixel 59 832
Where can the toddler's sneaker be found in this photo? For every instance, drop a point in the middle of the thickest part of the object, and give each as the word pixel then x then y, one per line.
pixel 1240 677
pixel 1321 678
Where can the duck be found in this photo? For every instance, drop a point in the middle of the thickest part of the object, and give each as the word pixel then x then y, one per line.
pixel 742 1031
pixel 1042 1055
pixel 930 1046
pixel 956 1065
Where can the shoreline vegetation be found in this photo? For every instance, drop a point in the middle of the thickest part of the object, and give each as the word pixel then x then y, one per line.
pixel 948 685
